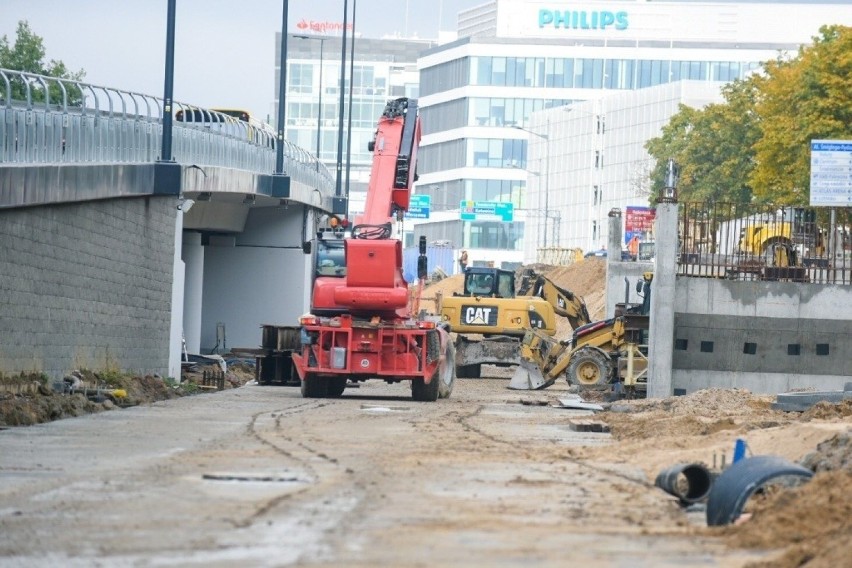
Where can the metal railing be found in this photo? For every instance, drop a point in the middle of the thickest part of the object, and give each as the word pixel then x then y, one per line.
pixel 45 120
pixel 743 242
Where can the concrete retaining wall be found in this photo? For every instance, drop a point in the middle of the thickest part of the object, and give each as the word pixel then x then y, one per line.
pixel 87 285
pixel 767 337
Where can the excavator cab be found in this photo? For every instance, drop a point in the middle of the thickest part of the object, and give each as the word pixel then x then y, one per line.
pixel 489 282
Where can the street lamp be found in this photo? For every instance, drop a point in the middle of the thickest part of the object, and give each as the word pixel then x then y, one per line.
pixel 319 113
pixel 546 138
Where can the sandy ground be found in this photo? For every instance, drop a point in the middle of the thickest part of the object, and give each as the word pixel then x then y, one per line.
pixel 259 476
pixel 490 477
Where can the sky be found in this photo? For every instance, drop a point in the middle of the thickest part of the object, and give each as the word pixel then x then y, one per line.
pixel 224 49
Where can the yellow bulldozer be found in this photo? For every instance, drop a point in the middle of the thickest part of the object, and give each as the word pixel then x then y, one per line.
pixel 491 315
pixel 599 355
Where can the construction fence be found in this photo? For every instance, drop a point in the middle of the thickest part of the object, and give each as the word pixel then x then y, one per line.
pixel 745 242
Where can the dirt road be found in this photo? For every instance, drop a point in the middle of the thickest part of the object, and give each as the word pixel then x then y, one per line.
pixel 258 476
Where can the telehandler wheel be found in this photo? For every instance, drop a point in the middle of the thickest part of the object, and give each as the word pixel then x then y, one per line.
pixel 589 368
pixel 336 386
pixel 313 387
pixel 422 392
pixel 448 373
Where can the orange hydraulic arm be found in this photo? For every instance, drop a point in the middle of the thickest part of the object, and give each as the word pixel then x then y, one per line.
pixel 394 150
pixel 374 282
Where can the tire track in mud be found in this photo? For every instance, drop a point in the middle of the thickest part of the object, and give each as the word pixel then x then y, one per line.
pixel 302 454
pixel 464 422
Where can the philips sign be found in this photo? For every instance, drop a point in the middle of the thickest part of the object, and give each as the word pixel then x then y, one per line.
pixel 582 20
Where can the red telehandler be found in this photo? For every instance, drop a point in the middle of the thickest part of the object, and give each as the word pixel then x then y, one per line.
pixel 361 326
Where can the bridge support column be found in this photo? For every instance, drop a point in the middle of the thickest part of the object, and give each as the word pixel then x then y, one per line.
pixel 193 258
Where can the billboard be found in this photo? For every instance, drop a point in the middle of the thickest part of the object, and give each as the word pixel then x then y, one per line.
pixel 639 221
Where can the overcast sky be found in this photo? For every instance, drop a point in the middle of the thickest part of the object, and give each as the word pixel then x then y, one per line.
pixel 224 49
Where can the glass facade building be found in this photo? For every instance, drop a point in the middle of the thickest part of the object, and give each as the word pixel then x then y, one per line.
pixel 383 69
pixel 547 105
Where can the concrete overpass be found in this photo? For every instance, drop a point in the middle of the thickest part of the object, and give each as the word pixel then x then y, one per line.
pixel 109 256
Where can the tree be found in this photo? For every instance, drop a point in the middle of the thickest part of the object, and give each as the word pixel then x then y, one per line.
pixel 755 147
pixel 712 146
pixel 805 98
pixel 27 55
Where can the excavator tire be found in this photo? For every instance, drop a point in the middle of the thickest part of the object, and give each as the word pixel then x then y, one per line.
pixel 589 368
pixel 335 387
pixel 313 387
pixel 448 373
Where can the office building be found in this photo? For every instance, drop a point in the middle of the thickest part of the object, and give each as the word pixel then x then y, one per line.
pixel 383 69
pixel 527 172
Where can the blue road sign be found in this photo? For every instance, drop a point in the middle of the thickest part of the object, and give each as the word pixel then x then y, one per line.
pixel 502 211
pixel 419 207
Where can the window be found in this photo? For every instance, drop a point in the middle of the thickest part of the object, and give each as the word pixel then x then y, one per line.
pixel 822 349
pixel 750 348
pixel 681 344
pixel 794 349
pixel 707 347
pixel 301 77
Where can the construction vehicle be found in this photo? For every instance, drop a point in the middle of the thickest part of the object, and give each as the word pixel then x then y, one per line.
pixel 598 355
pixel 490 316
pixel 361 325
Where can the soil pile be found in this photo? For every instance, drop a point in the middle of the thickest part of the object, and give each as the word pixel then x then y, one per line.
pixel 33 399
pixel 810 524
pixel 813 520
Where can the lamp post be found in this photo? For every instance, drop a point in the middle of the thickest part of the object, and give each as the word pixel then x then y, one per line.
pixel 319 112
pixel 546 138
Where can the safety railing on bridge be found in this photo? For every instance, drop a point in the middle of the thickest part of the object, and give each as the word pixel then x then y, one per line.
pixel 45 120
pixel 743 242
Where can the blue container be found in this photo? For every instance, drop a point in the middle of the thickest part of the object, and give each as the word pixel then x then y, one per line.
pixel 739 449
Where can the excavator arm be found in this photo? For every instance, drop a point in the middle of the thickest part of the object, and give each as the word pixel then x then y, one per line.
pixel 565 303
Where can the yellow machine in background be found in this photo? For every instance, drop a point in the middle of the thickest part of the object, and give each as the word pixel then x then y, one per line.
pixel 783 241
pixel 491 316
pixel 598 354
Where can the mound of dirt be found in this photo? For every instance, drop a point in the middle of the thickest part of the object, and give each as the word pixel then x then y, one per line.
pixel 45 404
pixel 813 520
pixel 808 525
pixel 29 399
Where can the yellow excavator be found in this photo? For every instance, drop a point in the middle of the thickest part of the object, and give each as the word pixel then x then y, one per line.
pixel 598 355
pixel 491 315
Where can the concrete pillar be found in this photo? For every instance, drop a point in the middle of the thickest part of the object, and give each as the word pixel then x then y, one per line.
pixel 661 335
pixel 178 274
pixel 614 239
pixel 614 292
pixel 193 257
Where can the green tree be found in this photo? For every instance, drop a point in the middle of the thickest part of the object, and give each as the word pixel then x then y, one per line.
pixel 27 55
pixel 755 147
pixel 803 98
pixel 712 146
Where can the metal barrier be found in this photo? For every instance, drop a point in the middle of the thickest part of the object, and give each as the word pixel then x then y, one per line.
pixel 45 120
pixel 743 242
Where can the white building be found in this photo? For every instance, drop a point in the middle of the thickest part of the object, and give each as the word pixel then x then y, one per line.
pixel 383 69
pixel 488 135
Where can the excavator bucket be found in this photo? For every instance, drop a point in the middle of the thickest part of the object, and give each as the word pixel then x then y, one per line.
pixel 528 377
